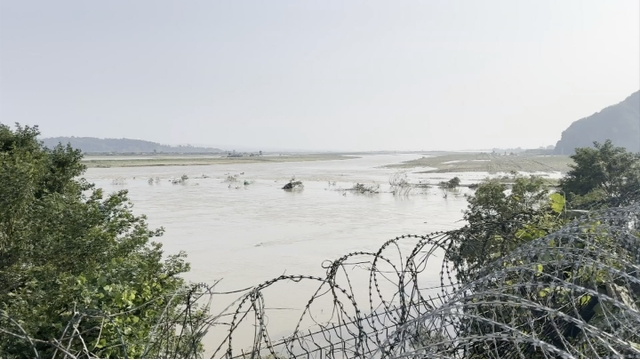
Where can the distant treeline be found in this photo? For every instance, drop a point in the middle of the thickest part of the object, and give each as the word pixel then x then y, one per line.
pixel 539 151
pixel 124 146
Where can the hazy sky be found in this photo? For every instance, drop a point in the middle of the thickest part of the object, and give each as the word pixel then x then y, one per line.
pixel 317 75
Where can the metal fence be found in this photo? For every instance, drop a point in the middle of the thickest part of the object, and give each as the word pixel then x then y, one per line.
pixel 574 293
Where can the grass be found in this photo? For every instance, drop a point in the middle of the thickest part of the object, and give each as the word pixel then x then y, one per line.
pixel 487 162
pixel 133 161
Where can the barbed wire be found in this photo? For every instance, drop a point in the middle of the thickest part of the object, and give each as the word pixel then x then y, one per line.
pixel 573 293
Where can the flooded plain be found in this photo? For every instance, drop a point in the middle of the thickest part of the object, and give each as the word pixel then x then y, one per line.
pixel 246 234
pixel 248 231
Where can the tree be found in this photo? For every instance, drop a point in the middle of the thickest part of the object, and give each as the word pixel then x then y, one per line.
pixel 69 255
pixel 499 220
pixel 602 176
pixel 451 184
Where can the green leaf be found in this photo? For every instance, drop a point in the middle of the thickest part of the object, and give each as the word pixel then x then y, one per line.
pixel 557 202
pixel 584 300
pixel 538 268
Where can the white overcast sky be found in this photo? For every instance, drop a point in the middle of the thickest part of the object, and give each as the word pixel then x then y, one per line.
pixel 317 75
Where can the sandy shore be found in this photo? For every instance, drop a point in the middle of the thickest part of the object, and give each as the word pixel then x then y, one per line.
pixel 486 162
pixel 186 160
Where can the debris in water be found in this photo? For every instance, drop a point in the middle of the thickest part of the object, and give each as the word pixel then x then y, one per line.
pixel 293 185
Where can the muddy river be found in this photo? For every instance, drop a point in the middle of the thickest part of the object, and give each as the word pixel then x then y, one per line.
pixel 246 234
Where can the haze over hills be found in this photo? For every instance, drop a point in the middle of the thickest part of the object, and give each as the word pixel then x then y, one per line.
pixel 619 122
pixel 124 146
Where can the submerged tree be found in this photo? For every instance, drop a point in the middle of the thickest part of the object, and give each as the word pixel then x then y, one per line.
pixel 451 184
pixel 74 261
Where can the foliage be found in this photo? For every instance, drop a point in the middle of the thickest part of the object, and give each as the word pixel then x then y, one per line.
pixel 66 247
pixel 182 181
pixel 365 189
pixel 564 273
pixel 499 220
pixel 450 184
pixel 571 294
pixel 603 176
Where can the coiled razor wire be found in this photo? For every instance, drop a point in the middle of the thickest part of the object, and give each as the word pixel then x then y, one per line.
pixel 572 294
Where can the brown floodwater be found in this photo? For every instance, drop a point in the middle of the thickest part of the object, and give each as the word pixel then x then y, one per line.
pixel 247 234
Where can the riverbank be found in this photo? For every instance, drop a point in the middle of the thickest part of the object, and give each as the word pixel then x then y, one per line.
pixel 193 160
pixel 487 162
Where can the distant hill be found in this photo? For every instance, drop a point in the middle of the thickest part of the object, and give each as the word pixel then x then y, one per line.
pixel 124 146
pixel 620 123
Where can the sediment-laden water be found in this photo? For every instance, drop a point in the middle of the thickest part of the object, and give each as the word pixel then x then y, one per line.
pixel 247 234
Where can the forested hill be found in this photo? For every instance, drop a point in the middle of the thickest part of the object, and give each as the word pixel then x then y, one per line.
pixel 123 146
pixel 620 123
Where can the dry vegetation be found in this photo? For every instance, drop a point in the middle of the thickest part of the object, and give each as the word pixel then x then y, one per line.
pixel 487 162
